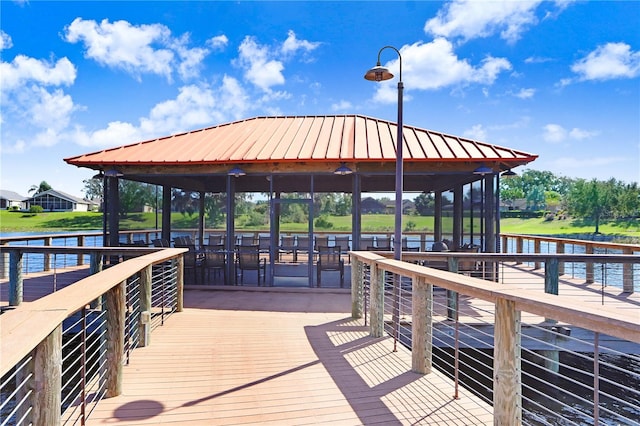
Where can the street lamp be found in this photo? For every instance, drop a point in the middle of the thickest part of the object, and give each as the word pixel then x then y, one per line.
pixel 380 73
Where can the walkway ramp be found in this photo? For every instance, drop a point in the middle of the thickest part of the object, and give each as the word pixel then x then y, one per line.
pixel 278 357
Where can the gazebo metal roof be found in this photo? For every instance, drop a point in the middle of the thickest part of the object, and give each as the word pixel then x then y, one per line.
pixel 302 145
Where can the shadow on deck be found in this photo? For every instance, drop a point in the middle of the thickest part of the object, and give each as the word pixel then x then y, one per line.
pixel 278 357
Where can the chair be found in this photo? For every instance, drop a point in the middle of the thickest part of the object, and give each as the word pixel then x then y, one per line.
pixel 329 259
pixel 469 266
pixel 288 245
pixel 160 242
pixel 193 261
pixel 215 239
pixel 383 243
pixel 302 244
pixel 215 260
pixel 365 243
pixel 247 240
pixel 321 242
pixel 248 259
pixel 405 245
pixel 264 243
pixel 342 241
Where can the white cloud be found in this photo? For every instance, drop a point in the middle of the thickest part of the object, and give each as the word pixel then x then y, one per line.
pixel 342 106
pixel 5 41
pixel 140 49
pixel 194 107
pixel 555 133
pixel 23 70
pixel 434 65
pixel 260 70
pixel 610 61
pixel 292 45
pixel 476 132
pixel 122 45
pixel 525 93
pixel 471 19
pixel 218 42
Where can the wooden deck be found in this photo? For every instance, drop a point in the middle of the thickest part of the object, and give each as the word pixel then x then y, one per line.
pixel 278 357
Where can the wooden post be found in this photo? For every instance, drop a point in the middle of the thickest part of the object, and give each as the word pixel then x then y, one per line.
pixel 560 247
pixel 47 380
pixel 376 322
pixel 80 243
pixel 551 275
pixel 357 293
pixel 47 256
pixel 116 309
pixel 145 306
pixel 627 273
pixel 589 272
pixel 15 278
pixel 505 242
pixel 507 396
pixel 519 247
pixel 422 326
pixel 536 249
pixel 180 284
pixel 4 261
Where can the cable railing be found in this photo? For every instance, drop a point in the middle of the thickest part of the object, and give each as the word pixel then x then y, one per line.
pixel 90 328
pixel 535 358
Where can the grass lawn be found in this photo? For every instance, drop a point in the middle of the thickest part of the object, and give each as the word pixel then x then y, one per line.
pixel 65 221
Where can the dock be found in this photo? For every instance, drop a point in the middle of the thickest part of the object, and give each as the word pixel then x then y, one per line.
pixel 278 358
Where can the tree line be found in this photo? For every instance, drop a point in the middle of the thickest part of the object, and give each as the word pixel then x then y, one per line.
pixel 595 200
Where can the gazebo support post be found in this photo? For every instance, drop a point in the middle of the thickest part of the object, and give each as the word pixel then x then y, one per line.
pixel 356 211
pixel 113 215
pixel 200 237
pixel 166 212
pixel 231 230
pixel 437 220
pixel 457 217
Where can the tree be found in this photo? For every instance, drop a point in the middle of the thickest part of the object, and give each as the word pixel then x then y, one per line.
pixel 536 198
pixel 425 204
pixel 134 196
pixel 37 189
pixel 591 199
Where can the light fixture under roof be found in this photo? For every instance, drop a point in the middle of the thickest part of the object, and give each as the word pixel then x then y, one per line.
pixel 343 170
pixel 237 172
pixel 509 173
pixel 483 170
pixel 113 173
pixel 99 175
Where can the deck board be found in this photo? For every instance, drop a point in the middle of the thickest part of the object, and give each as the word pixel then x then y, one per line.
pixel 297 358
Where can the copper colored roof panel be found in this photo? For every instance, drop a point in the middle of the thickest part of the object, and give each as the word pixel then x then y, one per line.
pixel 349 138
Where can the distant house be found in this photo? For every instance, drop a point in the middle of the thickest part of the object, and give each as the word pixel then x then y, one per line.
pixel 58 201
pixel 370 205
pixel 10 199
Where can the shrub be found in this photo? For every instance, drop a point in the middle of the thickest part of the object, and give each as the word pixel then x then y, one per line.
pixel 36 209
pixel 323 222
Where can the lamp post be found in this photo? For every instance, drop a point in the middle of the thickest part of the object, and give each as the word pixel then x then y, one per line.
pixel 380 73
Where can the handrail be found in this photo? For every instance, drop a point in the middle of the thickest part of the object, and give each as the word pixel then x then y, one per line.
pixel 28 324
pixel 90 329
pixel 410 314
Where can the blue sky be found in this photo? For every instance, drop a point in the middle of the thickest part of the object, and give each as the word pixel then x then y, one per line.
pixel 558 79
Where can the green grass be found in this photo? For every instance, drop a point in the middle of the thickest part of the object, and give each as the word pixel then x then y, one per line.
pixel 65 221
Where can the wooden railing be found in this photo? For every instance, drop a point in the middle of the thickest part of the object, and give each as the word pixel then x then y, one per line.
pixel 100 319
pixel 393 294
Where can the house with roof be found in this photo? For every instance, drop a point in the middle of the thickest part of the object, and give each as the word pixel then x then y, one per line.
pixel 58 201
pixel 10 199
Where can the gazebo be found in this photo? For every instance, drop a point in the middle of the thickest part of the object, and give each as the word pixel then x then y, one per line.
pixel 307 155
